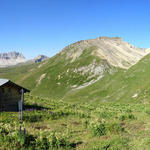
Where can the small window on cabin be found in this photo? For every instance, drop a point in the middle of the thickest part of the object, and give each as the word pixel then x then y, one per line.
pixel 9 90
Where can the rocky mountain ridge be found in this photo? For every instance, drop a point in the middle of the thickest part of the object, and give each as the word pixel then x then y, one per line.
pixel 11 58
pixel 14 58
pixel 102 67
pixel 113 49
pixel 40 58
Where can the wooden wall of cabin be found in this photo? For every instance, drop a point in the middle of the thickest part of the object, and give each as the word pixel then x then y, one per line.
pixel 9 97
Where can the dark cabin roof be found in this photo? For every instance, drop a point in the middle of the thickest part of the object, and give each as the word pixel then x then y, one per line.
pixel 8 82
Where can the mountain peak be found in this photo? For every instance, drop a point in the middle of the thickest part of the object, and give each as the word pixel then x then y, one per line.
pixel 40 58
pixel 11 55
pixel 11 58
pixel 109 38
pixel 113 49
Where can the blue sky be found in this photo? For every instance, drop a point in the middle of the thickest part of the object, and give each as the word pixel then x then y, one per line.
pixel 35 27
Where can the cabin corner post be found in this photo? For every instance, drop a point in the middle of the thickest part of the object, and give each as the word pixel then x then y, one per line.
pixel 22 100
pixel 22 95
pixel 20 104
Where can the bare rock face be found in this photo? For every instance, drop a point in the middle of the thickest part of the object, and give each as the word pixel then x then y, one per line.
pixel 40 58
pixel 11 58
pixel 117 52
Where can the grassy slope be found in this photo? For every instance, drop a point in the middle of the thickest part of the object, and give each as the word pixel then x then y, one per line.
pixel 59 74
pixel 120 86
pixel 17 73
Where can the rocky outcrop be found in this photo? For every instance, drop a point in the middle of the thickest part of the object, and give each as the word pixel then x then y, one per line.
pixel 11 58
pixel 117 52
pixel 40 58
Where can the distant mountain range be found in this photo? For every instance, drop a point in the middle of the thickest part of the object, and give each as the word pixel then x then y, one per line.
pixel 14 58
pixel 11 58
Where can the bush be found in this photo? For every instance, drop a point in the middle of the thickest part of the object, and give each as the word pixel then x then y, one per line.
pixel 115 128
pixel 19 140
pixel 127 116
pixel 16 139
pixel 98 129
pixel 85 123
pixel 25 140
pixel 42 144
pixel 58 142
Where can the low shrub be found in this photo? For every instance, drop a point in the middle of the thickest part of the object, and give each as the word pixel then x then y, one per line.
pixel 98 129
pixel 85 123
pixel 115 128
pixel 127 116
pixel 18 139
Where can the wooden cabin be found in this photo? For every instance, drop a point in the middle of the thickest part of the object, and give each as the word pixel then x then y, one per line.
pixel 10 95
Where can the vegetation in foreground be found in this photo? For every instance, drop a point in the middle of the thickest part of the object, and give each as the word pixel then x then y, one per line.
pixel 49 124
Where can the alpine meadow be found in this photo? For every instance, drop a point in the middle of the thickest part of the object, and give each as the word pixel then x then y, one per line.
pixel 85 97
pixel 74 75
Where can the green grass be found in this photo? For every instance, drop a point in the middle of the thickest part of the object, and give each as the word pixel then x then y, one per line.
pixel 17 73
pixel 51 124
pixel 119 87
pixel 113 113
